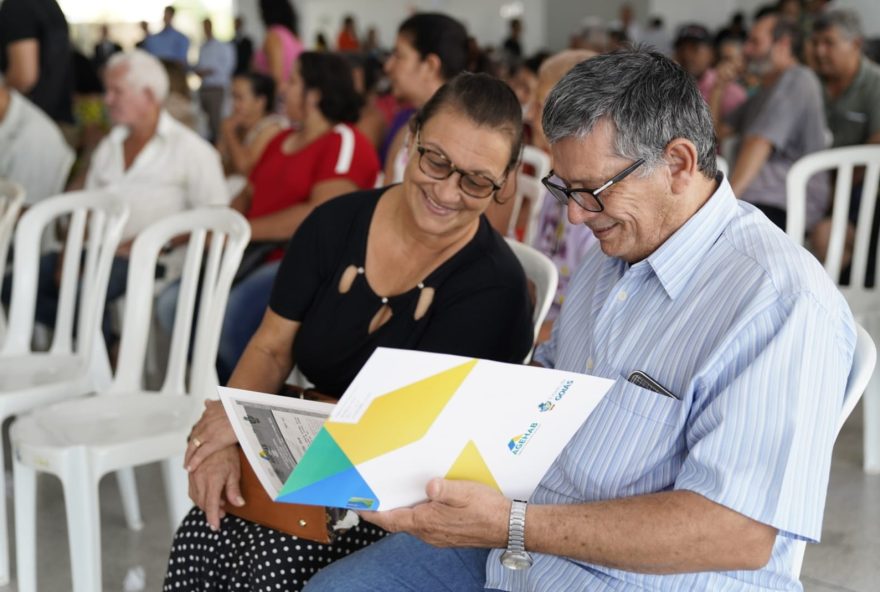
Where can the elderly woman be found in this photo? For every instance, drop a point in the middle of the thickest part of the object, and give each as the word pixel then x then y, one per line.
pixel 415 266
pixel 251 125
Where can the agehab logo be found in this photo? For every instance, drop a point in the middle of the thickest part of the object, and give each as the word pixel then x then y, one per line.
pixel 517 443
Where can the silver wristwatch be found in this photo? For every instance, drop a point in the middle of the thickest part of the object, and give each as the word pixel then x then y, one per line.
pixel 516 557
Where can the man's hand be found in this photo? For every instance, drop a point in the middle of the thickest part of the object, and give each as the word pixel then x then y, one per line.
pixel 213 432
pixel 458 514
pixel 215 479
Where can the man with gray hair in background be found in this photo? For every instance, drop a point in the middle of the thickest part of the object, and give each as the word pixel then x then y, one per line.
pixel 155 164
pixel 729 348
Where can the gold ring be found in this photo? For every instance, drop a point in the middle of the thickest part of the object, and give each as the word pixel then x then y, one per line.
pixel 196 442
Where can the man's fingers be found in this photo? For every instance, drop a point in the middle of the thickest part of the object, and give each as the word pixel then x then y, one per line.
pixel 452 493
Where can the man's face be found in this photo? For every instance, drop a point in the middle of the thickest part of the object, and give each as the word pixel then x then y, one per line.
pixel 639 211
pixel 125 104
pixel 695 57
pixel 835 54
pixel 758 48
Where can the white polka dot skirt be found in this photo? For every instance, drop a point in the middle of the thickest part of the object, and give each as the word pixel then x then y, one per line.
pixel 247 556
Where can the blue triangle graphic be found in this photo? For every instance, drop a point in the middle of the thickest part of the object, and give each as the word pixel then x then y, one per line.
pixel 346 489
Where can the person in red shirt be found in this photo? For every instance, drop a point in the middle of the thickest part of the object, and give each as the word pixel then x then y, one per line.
pixel 348 38
pixel 321 157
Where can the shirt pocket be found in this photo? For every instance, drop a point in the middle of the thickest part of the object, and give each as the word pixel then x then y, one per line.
pixel 644 403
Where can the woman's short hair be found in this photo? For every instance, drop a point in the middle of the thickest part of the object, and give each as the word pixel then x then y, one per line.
pixel 279 12
pixel 143 72
pixel 485 100
pixel 261 86
pixel 331 74
pixel 441 35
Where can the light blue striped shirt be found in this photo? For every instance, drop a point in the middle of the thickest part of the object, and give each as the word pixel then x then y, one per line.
pixel 748 331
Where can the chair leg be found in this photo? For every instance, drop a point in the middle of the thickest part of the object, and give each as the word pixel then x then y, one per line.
pixel 871 411
pixel 176 490
pixel 127 483
pixel 83 523
pixel 4 525
pixel 25 478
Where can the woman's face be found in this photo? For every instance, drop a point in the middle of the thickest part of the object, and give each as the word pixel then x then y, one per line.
pixel 294 99
pixel 441 207
pixel 410 75
pixel 245 105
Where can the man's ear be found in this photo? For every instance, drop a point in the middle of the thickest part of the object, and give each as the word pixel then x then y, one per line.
pixel 682 158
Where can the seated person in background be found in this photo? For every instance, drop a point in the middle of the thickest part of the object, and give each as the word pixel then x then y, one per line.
pixel 33 152
pixel 430 49
pixel 156 165
pixel 323 158
pixel 565 244
pixel 695 52
pixel 851 83
pixel 779 124
pixel 414 266
pixel 247 131
pixel 706 487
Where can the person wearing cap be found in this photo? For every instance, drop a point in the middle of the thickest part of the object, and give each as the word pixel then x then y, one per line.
pixel 694 51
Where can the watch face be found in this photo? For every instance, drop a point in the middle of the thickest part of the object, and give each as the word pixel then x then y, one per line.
pixel 516 560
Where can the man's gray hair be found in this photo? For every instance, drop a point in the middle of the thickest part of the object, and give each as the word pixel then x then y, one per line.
pixel 143 72
pixel 648 98
pixel 847 22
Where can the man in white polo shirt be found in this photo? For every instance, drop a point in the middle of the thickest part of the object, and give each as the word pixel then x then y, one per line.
pixel 157 165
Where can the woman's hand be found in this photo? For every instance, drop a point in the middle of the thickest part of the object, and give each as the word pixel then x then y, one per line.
pixel 215 482
pixel 211 433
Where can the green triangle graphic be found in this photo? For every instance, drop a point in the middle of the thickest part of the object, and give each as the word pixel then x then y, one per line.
pixel 323 459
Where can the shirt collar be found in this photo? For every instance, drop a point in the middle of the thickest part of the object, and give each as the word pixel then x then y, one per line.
pixel 163 129
pixel 676 260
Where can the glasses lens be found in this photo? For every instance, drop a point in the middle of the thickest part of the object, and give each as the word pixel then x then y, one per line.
pixel 434 165
pixel 476 186
pixel 554 186
pixel 588 201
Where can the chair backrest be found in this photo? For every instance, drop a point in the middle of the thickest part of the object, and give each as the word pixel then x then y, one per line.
pixel 529 188
pixel 843 161
pixel 95 222
pixel 722 165
pixel 207 277
pixel 864 360
pixel 541 271
pixel 11 198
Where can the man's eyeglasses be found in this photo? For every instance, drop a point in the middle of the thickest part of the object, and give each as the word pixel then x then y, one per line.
pixel 437 166
pixel 588 199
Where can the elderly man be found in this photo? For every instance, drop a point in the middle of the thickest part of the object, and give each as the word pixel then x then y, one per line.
pixel 701 475
pixel 157 165
pixel 782 122
pixel 32 150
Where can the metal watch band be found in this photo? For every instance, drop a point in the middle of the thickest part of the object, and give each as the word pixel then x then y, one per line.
pixel 516 529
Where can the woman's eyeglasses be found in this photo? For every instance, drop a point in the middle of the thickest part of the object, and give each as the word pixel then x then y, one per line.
pixel 437 166
pixel 588 199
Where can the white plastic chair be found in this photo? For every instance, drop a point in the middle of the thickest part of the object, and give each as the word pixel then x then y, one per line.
pixel 722 165
pixel 864 360
pixel 529 188
pixel 125 426
pixel 76 364
pixel 541 271
pixel 864 301
pixel 11 198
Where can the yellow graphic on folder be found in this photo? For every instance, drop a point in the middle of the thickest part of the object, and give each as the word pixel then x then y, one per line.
pixel 470 466
pixel 410 409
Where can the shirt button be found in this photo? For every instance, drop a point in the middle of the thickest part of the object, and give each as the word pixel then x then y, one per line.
pixel 621 296
pixel 589 363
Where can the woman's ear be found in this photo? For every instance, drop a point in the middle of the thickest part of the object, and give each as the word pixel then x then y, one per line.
pixel 313 98
pixel 434 65
pixel 508 187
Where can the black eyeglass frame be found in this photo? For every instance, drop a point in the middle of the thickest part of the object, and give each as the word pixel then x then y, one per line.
pixel 563 194
pixel 452 170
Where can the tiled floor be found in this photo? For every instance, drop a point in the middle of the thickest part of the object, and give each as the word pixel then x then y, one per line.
pixel 848 560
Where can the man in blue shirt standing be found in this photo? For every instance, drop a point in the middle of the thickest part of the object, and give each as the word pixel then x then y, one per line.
pixel 169 43
pixel 730 350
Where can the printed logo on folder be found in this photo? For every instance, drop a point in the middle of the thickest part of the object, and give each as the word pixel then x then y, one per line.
pixel 411 416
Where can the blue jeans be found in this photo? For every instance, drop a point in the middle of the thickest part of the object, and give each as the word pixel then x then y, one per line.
pixel 403 563
pixel 247 304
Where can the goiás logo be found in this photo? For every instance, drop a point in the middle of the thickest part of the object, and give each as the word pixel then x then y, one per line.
pixel 517 443
pixel 545 406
